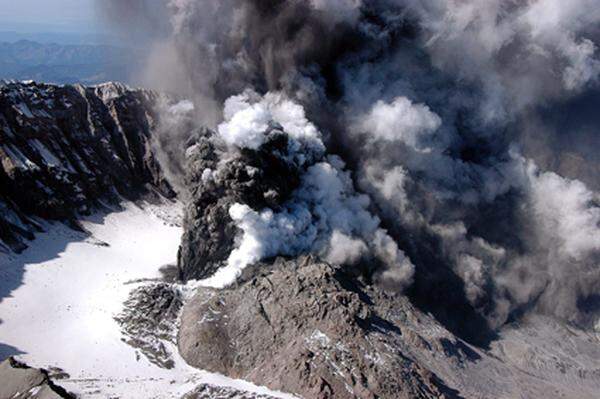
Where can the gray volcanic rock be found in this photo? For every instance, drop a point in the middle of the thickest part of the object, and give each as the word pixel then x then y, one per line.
pixel 19 381
pixel 149 319
pixel 305 327
pixel 216 180
pixel 63 148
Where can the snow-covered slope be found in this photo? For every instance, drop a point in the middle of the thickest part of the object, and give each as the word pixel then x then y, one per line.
pixel 60 297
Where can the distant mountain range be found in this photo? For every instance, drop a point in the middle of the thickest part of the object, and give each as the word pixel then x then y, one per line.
pixel 66 64
pixel 38 34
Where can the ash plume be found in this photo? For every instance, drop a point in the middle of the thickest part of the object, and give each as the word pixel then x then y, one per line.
pixel 444 113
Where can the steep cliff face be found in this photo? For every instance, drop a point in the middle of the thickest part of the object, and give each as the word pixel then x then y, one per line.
pixel 63 149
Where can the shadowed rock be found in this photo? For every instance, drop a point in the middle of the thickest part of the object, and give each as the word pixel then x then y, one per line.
pixel 216 180
pixel 63 149
pixel 19 381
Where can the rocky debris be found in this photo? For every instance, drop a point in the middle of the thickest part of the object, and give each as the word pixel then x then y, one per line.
pixel 19 381
pixel 63 149
pixel 216 180
pixel 149 321
pixel 305 327
pixel 309 328
pixel 206 391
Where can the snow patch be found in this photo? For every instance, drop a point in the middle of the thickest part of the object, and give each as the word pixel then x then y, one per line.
pixel 68 291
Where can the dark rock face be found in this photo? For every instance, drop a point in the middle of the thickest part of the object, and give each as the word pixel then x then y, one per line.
pixel 216 180
pixel 63 148
pixel 19 381
pixel 149 319
pixel 305 327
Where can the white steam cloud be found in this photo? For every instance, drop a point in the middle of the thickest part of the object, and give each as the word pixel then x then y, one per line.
pixel 400 121
pixel 248 117
pixel 324 216
pixel 567 212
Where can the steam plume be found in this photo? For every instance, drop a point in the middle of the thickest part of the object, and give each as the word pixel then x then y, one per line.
pixel 432 104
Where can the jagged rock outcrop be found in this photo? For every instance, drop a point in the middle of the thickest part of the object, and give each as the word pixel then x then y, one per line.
pixel 64 148
pixel 308 328
pixel 19 381
pixel 216 179
pixel 149 320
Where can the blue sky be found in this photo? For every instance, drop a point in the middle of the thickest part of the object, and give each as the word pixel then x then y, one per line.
pixel 52 15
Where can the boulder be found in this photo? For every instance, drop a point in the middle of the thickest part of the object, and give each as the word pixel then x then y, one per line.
pixel 19 381
pixel 306 327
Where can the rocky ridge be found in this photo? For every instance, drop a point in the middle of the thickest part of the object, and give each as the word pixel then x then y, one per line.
pixel 65 149
pixel 307 327
pixel 149 321
pixel 205 391
pixel 20 381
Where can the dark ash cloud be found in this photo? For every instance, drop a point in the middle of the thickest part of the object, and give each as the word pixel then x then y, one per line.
pixel 440 109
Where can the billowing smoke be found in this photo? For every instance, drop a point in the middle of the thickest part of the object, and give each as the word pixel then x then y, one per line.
pixel 175 125
pixel 522 52
pixel 324 215
pixel 444 113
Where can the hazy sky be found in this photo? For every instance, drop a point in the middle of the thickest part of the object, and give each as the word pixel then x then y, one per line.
pixel 64 15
